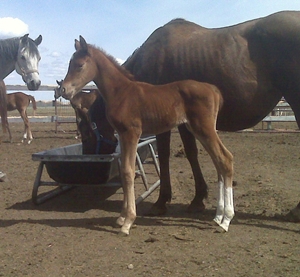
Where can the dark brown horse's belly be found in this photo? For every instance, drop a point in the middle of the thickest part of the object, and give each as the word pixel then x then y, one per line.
pixel 239 60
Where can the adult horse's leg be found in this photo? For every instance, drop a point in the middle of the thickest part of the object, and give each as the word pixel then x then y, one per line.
pixel 8 130
pixel 77 118
pixel 165 191
pixel 191 151
pixel 294 100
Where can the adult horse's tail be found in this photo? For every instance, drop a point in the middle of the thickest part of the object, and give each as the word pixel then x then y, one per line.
pixel 32 100
pixel 3 106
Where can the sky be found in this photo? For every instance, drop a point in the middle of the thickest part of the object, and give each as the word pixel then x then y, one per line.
pixel 117 26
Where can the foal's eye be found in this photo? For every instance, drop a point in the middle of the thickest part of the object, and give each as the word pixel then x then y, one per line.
pixel 79 66
pixel 23 58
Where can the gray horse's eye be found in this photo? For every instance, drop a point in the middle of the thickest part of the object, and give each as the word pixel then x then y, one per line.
pixel 23 58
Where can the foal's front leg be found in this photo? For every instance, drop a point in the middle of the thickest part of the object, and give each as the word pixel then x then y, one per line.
pixel 128 156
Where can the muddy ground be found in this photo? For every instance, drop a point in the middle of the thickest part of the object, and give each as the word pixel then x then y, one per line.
pixel 73 234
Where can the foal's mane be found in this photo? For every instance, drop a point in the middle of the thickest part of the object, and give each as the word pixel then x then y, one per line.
pixel 121 68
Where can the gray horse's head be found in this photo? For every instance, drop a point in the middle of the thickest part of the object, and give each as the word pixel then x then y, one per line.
pixel 27 61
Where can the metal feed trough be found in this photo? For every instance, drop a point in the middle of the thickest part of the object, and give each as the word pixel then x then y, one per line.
pixel 68 168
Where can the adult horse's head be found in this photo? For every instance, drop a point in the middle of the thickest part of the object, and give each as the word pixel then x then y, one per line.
pixel 81 70
pixel 28 58
pixel 97 135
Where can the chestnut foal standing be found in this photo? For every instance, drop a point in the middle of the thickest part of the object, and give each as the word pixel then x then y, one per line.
pixel 136 108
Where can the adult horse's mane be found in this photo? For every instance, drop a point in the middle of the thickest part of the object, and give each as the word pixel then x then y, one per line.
pixel 111 58
pixel 9 48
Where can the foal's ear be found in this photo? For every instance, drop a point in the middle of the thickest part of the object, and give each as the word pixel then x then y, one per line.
pixel 77 45
pixel 81 44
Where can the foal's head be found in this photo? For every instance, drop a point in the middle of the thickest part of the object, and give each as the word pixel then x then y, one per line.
pixel 87 64
pixel 82 69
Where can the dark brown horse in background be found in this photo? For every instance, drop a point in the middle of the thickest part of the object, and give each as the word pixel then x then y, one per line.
pixel 253 64
pixel 97 135
pixel 80 103
pixel 136 108
pixel 20 101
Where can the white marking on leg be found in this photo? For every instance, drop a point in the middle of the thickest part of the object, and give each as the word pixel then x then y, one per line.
pixel 220 202
pixel 229 208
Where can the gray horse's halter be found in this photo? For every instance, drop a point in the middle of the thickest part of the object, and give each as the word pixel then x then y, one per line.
pixel 24 72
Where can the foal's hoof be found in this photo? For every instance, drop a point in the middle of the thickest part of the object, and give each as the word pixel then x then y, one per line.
pixel 223 225
pixel 119 222
pixel 123 234
pixel 220 230
pixel 3 177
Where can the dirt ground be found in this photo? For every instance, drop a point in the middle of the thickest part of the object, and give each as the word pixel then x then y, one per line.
pixel 73 234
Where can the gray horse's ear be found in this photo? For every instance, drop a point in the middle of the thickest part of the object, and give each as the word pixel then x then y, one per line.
pixel 24 38
pixel 38 40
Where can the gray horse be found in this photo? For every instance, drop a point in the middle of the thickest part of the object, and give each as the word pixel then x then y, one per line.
pixel 20 54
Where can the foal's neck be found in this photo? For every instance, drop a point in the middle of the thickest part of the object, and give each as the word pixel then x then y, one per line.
pixel 109 79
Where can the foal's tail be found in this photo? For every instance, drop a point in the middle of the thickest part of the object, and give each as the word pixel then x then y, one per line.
pixel 32 100
pixel 3 106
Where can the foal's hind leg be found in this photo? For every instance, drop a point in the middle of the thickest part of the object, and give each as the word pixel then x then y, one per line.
pixel 27 131
pixel 223 162
pixel 191 151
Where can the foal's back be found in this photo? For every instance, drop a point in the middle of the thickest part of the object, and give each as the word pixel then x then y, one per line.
pixel 163 107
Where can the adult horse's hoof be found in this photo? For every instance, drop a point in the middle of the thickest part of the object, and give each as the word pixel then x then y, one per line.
pixel 156 210
pixel 196 207
pixel 293 215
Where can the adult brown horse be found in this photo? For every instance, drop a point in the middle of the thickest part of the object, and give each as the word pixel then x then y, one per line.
pixel 136 108
pixel 253 64
pixel 20 101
